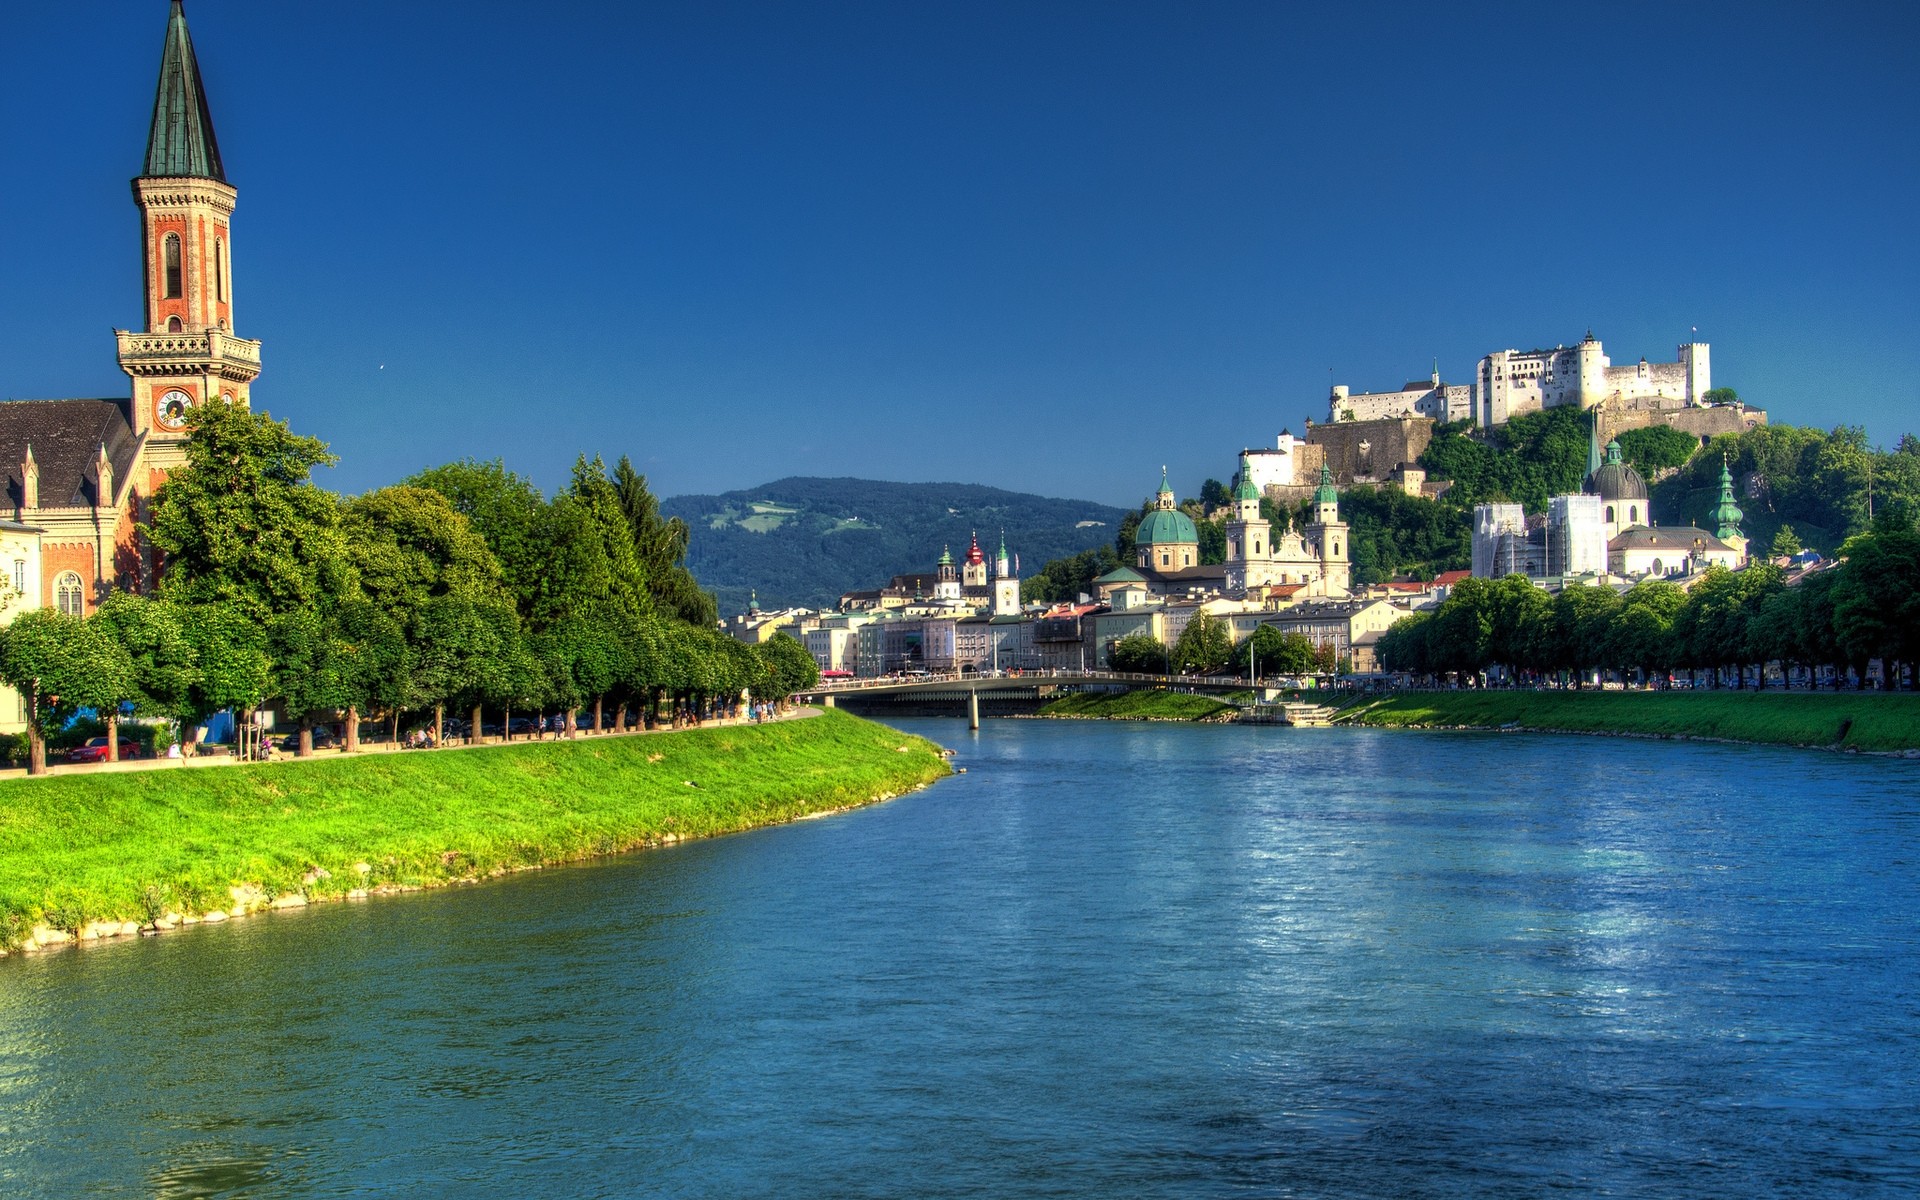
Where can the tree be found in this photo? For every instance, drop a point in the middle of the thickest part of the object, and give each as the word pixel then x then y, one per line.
pixel 1786 543
pixel 1139 654
pixel 790 668
pixel 1404 645
pixel 1641 635
pixel 1876 603
pixel 164 664
pixel 1214 494
pixel 1577 637
pixel 230 652
pixel 1205 645
pixel 1270 652
pixel 1720 395
pixel 508 513
pixel 60 663
pixel 661 544
pixel 240 524
pixel 1655 448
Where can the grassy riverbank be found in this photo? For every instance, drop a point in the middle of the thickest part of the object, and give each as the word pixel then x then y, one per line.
pixel 1849 720
pixel 79 849
pixel 1143 705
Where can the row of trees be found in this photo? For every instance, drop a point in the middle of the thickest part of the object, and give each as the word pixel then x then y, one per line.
pixel 1730 623
pixel 462 588
pixel 1206 647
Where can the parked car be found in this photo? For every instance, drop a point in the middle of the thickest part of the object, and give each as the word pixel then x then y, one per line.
pixel 322 739
pixel 96 751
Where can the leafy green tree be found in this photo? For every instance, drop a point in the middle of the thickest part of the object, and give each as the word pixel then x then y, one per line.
pixel 1786 543
pixel 1720 395
pixel 1582 619
pixel 1459 638
pixel 1064 580
pixel 420 561
pixel 346 658
pixel 1641 634
pixel 509 514
pixel 241 524
pixel 162 657
pixel 1876 603
pixel 1214 494
pixel 234 669
pixel 790 668
pixel 1205 646
pixel 59 664
pixel 1272 652
pixel 1139 654
pixel 1403 647
pixel 1655 448
pixel 1522 617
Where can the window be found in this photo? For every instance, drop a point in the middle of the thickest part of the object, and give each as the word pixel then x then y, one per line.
pixel 67 594
pixel 173 324
pixel 170 253
pixel 20 576
pixel 220 270
pixel 1609 514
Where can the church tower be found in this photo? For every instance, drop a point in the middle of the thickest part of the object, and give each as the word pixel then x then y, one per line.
pixel 187 352
pixel 1329 533
pixel 973 572
pixel 1006 585
pixel 1248 536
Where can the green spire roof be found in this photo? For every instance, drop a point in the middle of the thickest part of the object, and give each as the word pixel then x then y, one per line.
pixel 1166 489
pixel 1727 513
pixel 1613 452
pixel 1246 490
pixel 946 557
pixel 1593 445
pixel 1328 494
pixel 182 141
pixel 1003 543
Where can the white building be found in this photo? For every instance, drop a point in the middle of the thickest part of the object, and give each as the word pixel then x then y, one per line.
pixel 19 592
pixel 1278 467
pixel 1501 546
pixel 1508 383
pixel 1420 398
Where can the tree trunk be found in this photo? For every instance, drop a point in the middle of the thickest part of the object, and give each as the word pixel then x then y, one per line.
pixel 353 730
pixel 113 736
pixel 620 718
pixel 36 735
pixel 598 701
pixel 393 723
pixel 439 722
pixel 306 737
pixel 506 722
pixel 473 734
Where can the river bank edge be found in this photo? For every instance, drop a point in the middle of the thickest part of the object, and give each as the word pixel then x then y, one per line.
pixel 1875 724
pixel 854 763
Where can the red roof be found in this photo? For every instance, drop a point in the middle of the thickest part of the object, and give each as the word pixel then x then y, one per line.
pixel 973 552
pixel 1449 578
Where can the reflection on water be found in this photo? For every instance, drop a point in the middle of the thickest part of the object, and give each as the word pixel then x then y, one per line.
pixel 1111 959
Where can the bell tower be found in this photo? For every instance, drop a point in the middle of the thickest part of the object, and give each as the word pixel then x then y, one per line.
pixel 187 354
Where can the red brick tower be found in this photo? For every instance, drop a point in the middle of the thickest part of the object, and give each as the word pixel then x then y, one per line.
pixel 188 352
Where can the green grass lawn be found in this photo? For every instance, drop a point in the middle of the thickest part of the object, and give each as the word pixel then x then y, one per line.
pixel 1168 706
pixel 1852 720
pixel 92 846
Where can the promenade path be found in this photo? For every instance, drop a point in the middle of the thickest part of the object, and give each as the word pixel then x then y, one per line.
pixel 200 761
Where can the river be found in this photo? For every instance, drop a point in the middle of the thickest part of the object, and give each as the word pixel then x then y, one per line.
pixel 1111 960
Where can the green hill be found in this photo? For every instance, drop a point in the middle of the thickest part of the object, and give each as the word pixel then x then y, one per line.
pixel 805 541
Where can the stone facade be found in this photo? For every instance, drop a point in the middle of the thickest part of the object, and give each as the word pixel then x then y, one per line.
pixel 1371 451
pixel 1508 383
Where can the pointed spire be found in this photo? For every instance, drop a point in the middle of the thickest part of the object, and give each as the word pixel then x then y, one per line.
pixel 1593 445
pixel 1246 490
pixel 1166 489
pixel 182 141
pixel 1327 493
pixel 1727 512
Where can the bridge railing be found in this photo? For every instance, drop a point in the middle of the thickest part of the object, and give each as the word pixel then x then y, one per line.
pixel 843 686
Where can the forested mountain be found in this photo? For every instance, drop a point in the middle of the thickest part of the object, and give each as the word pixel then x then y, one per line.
pixel 805 541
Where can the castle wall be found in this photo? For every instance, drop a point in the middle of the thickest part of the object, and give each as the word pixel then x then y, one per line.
pixel 1390 443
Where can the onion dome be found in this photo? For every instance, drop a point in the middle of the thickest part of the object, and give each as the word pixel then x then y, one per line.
pixel 1246 490
pixel 946 557
pixel 1615 480
pixel 974 554
pixel 1327 494
pixel 1727 512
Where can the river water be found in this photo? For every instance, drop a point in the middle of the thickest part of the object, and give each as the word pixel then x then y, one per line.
pixel 1111 960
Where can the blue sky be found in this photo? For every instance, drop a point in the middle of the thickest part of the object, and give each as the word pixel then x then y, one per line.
pixel 1042 246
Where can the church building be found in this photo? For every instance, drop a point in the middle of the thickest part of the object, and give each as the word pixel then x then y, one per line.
pixel 83 472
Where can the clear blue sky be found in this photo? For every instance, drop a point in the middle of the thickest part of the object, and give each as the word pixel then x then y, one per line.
pixel 1044 246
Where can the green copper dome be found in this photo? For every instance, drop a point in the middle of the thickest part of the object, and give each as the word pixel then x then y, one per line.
pixel 1167 527
pixel 1727 512
pixel 1246 490
pixel 1328 494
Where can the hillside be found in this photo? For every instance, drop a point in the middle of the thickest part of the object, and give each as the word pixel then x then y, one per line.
pixel 807 540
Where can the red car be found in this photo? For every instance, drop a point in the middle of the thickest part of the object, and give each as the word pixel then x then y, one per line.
pixel 96 751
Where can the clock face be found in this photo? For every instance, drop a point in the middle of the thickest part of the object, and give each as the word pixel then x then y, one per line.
pixel 170 410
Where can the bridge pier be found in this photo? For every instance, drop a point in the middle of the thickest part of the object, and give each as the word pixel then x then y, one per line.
pixel 829 699
pixel 973 708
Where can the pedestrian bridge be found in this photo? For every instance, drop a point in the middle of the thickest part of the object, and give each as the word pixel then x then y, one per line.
pixel 957 684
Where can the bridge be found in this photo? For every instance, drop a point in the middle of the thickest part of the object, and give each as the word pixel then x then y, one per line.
pixel 958 682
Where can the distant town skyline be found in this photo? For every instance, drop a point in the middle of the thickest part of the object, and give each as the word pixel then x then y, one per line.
pixel 1045 248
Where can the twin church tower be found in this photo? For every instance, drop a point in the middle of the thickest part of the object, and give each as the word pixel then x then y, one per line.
pixel 81 474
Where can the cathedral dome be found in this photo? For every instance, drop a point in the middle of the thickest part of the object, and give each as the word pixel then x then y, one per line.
pixel 1166 527
pixel 1615 480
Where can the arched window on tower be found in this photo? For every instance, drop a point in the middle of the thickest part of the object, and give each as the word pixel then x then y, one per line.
pixel 1633 514
pixel 220 270
pixel 170 254
pixel 1609 514
pixel 173 324
pixel 68 594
